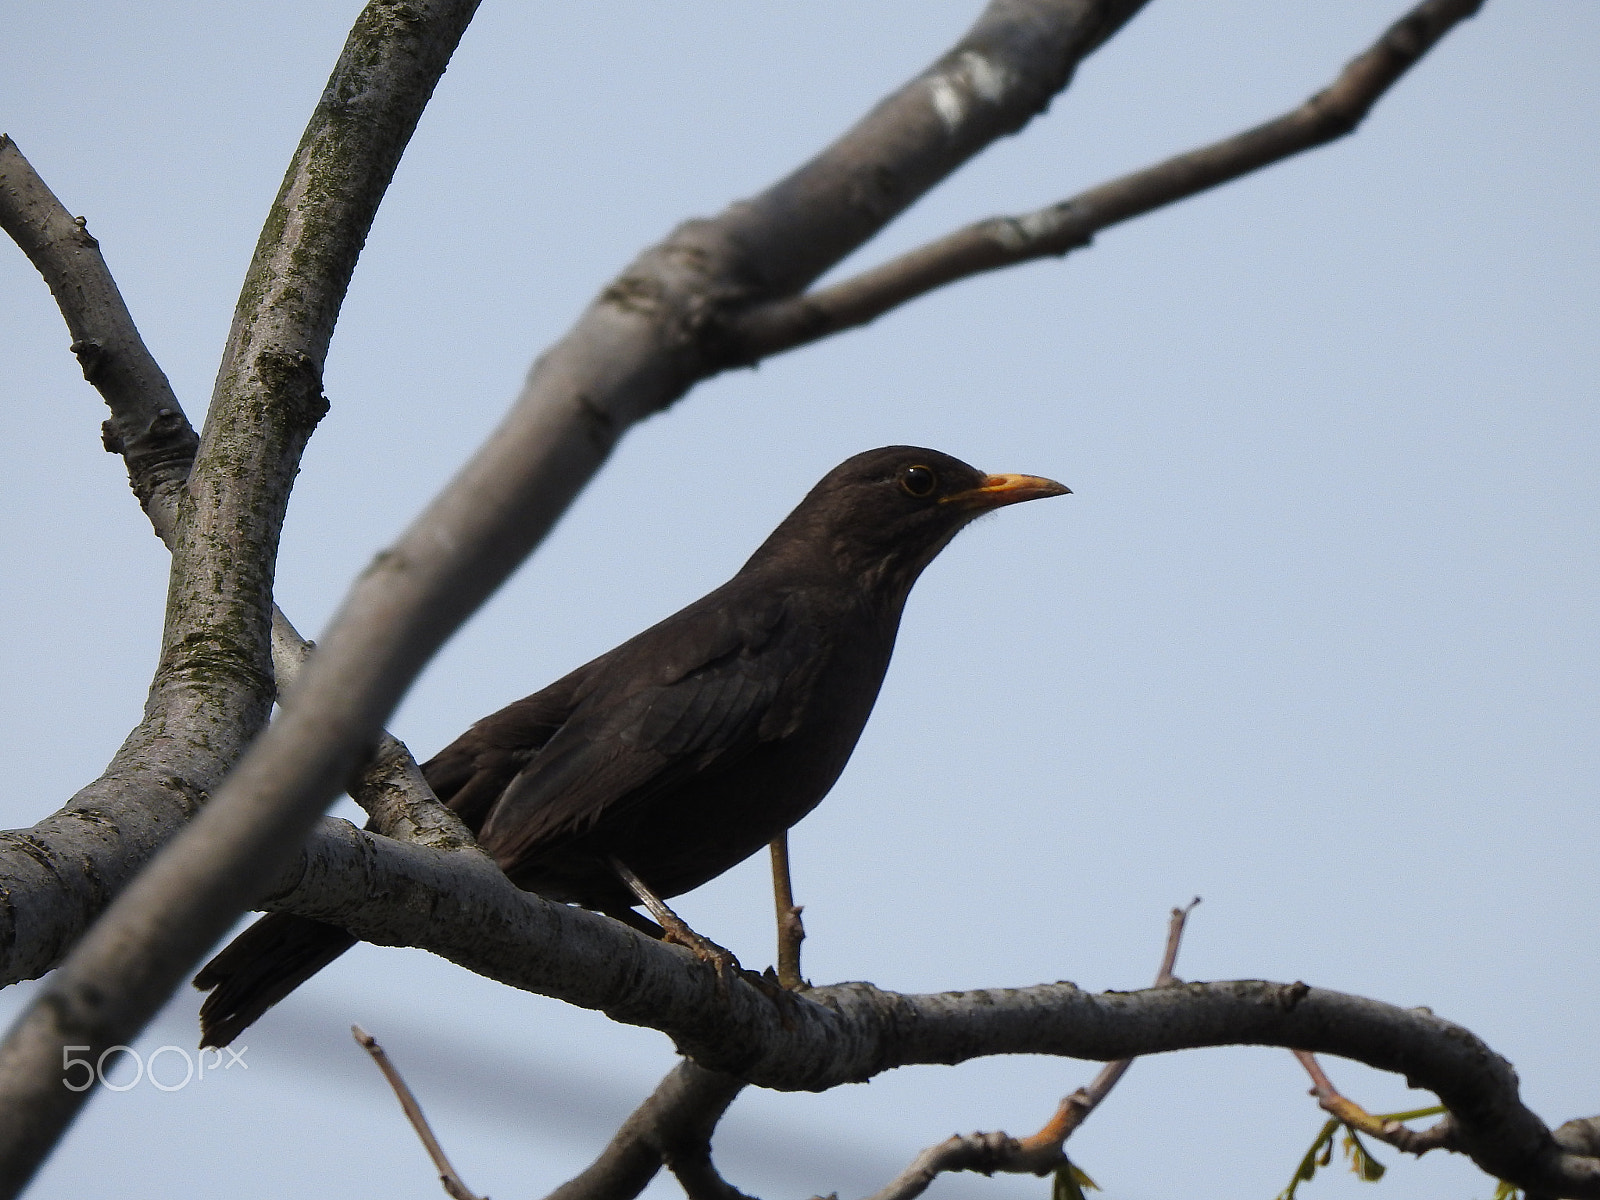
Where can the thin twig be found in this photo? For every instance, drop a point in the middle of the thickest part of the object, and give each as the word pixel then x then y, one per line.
pixel 408 1103
pixel 1175 926
pixel 1075 1109
pixel 791 930
pixel 1072 224
pixel 1395 1133
pixel 1039 1153
pixel 985 1153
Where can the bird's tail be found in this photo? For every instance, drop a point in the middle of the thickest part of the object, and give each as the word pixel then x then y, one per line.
pixel 260 967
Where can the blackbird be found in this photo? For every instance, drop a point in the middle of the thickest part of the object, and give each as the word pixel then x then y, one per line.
pixel 692 745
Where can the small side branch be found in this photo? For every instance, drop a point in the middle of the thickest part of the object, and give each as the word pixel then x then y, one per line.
pixel 408 1103
pixel 390 785
pixel 1386 1129
pixel 985 1153
pixel 1042 1152
pixel 1075 1109
pixel 698 1176
pixel 791 931
pixel 1072 224
pixel 147 426
pixel 674 1126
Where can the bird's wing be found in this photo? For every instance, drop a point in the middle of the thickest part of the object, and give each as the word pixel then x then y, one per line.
pixel 470 773
pixel 709 684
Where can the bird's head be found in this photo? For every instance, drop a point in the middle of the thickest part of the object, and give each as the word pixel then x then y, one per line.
pixel 882 516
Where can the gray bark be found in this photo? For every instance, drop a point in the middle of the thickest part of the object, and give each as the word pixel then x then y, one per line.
pixel 214 682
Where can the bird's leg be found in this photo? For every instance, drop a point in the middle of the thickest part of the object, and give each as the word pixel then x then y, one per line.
pixel 790 930
pixel 673 927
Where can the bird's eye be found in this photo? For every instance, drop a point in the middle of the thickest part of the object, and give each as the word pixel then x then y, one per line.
pixel 918 481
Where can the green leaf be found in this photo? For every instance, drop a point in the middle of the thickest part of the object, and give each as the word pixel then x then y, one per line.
pixel 1318 1155
pixel 1069 1182
pixel 1361 1162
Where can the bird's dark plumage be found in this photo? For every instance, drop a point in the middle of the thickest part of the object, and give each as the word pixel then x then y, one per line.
pixel 692 745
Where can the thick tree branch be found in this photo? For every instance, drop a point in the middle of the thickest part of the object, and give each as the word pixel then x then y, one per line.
pixel 998 76
pixel 61 873
pixel 663 325
pixel 216 644
pixel 628 358
pixel 1003 72
pixel 1061 228
pixel 460 907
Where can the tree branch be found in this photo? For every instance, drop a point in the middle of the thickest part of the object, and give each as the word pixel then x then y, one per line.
pixel 64 870
pixel 1075 1109
pixel 461 908
pixel 1442 1134
pixel 985 1153
pixel 673 1125
pixel 1070 225
pixel 216 648
pixel 662 326
pixel 147 425
pixel 627 358
pixel 1042 1152
pixel 453 1184
pixel 61 873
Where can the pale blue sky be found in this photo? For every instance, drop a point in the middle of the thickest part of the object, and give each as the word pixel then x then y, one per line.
pixel 1315 638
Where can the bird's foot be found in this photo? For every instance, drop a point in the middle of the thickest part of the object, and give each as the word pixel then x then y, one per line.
pixel 702 948
pixel 675 929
